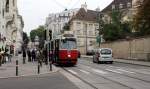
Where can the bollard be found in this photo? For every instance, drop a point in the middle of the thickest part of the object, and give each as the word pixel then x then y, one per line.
pixel 38 68
pixel 16 67
pixel 50 65
pixel 0 62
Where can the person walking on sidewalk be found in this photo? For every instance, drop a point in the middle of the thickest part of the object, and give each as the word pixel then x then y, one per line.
pixel 39 57
pixel 24 56
pixel 29 55
pixel 33 55
pixel 1 58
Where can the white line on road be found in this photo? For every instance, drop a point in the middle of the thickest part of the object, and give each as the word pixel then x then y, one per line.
pixel 86 72
pixel 114 71
pixel 99 71
pixel 73 72
pixel 125 71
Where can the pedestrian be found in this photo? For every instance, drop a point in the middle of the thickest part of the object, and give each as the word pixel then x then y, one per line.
pixel 39 57
pixel 29 55
pixel 24 56
pixel 33 55
pixel 0 57
pixel 45 56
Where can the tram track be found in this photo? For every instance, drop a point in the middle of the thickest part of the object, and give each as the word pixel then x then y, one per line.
pixel 147 81
pixel 112 80
pixel 86 82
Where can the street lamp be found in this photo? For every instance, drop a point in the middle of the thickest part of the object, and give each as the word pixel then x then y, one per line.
pixel 100 28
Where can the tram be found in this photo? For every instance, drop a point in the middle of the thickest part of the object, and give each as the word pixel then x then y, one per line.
pixel 64 50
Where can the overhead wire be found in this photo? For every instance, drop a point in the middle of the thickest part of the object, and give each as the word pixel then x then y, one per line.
pixel 59 4
pixel 76 3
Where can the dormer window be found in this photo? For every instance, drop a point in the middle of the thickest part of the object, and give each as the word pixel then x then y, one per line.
pixel 128 4
pixel 120 6
pixel 113 7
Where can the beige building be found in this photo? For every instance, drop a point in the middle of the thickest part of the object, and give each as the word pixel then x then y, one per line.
pixel 124 6
pixel 84 25
pixel 11 25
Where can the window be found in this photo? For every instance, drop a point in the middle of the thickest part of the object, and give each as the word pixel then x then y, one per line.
pixel 13 2
pixel 121 6
pixel 113 7
pixel 128 4
pixel 78 32
pixel 3 13
pixel 7 6
pixel 90 33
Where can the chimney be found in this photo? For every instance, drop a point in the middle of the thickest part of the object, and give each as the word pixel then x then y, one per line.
pixel 97 9
pixel 84 6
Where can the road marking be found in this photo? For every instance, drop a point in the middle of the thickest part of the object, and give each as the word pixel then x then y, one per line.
pixel 73 72
pixel 114 71
pixel 99 71
pixel 125 71
pixel 86 72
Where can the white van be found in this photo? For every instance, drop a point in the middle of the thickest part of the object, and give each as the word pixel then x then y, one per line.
pixel 103 55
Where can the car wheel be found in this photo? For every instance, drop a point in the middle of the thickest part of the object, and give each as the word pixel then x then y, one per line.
pixel 111 62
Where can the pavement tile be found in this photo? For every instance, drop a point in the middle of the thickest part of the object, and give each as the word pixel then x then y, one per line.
pixel 30 68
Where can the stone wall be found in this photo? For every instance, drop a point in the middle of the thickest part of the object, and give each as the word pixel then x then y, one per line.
pixel 137 49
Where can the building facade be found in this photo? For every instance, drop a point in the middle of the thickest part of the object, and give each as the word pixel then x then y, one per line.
pixel 123 6
pixel 84 25
pixel 11 25
pixel 57 21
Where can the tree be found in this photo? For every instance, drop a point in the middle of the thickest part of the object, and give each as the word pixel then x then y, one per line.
pixel 40 32
pixel 66 27
pixel 116 29
pixel 142 19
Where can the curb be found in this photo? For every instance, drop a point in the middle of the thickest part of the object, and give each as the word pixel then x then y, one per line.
pixel 29 75
pixel 132 63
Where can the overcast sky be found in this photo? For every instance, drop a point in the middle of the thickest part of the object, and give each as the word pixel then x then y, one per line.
pixel 34 12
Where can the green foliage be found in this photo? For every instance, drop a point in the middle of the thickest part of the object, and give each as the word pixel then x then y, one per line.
pixel 116 29
pixel 142 19
pixel 25 38
pixel 66 27
pixel 40 32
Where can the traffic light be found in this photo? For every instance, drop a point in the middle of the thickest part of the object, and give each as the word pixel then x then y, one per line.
pixel 50 34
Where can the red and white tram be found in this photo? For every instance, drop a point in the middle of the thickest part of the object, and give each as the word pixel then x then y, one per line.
pixel 64 50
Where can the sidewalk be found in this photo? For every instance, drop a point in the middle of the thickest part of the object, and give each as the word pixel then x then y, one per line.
pixel 30 68
pixel 142 63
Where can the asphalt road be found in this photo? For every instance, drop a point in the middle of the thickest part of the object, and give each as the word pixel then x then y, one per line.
pixel 46 81
pixel 111 76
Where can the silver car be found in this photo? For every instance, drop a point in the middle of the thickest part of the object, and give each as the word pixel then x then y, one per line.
pixel 103 55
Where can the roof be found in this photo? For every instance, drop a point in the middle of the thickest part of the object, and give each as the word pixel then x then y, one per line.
pixel 117 4
pixel 90 15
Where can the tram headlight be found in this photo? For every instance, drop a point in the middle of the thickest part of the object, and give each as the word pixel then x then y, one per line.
pixel 69 55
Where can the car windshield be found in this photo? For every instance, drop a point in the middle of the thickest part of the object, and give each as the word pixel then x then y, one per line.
pixel 105 51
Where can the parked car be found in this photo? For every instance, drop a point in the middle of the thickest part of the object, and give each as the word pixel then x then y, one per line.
pixel 103 55
pixel 90 52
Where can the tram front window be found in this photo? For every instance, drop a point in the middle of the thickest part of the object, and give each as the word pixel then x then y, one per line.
pixel 67 44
